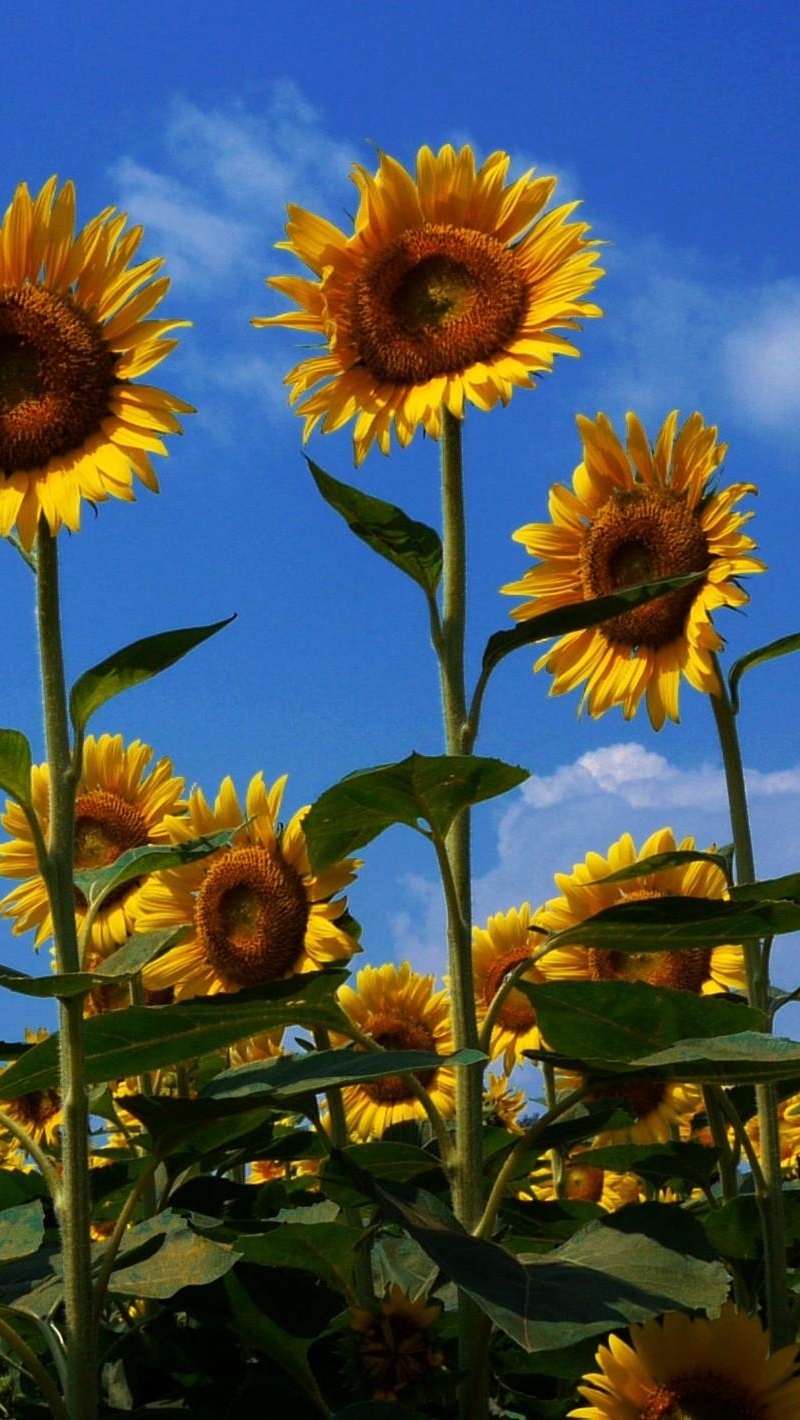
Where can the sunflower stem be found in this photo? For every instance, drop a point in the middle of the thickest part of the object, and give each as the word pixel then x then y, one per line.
pixel 74 1205
pixel 770 1199
pixel 337 1125
pixel 467 1172
pixel 35 1369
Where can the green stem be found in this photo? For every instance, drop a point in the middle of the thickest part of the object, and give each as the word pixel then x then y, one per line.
pixel 770 1200
pixel 337 1124
pixel 74 1212
pixel 126 1212
pixel 42 1160
pixel 523 1145
pixel 35 1370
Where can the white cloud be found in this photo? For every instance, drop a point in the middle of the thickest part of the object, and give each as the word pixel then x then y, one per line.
pixel 198 242
pixel 761 357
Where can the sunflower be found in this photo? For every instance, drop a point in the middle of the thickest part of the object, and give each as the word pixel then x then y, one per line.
pixel 703 970
pixel 119 805
pixel 636 516
pixel 694 1368
pixel 585 1183
pixel 40 1112
pixel 73 337
pixel 399 1010
pixel 254 912
pixel 660 1110
pixel 395 1350
pixel 449 289
pixel 502 1105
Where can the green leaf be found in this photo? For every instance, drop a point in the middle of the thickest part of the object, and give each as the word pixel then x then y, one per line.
pixel 416 790
pixel 578 616
pixel 95 884
pixel 323 1069
pixel 663 923
pixel 694 1163
pixel 130 1042
pixel 660 862
pixel 132 665
pixel 15 766
pixel 411 546
pixel 184 1259
pixel 784 889
pixel 21 1230
pixel 782 647
pixel 599 1279
pixel 620 1020
pixel 325 1249
pixel 382 1159
pixel 257 1328
pixel 744 1057
pixel 123 964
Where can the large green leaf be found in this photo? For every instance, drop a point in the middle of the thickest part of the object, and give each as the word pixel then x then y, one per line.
pixel 413 547
pixel 21 1230
pixel 782 647
pixel 325 1249
pixel 415 791
pixel 132 665
pixel 257 1327
pixel 577 616
pixel 599 1279
pixel 184 1259
pixel 744 1058
pixel 621 1020
pixel 663 923
pixel 121 1043
pixel 15 766
pixel 323 1069
pixel 660 862
pixel 381 1159
pixel 784 889
pixel 96 883
pixel 693 1163
pixel 118 968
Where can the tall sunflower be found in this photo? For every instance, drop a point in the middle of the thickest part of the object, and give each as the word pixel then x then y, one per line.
pixel 691 1367
pixel 254 912
pixel 74 335
pixel 637 514
pixel 119 804
pixel 400 1010
pixel 449 289
pixel 507 940
pixel 703 970
pixel 585 1183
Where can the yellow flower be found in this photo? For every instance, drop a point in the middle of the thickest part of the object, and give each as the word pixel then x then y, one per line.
pixel 40 1112
pixel 395 1350
pixel 74 334
pixel 502 1106
pixel 506 941
pixel 703 970
pixel 118 806
pixel 660 1109
pixel 634 516
pixel 399 1010
pixel 449 289
pixel 585 1183
pixel 254 912
pixel 693 1368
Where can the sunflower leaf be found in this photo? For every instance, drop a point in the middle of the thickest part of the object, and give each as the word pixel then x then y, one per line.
pixel 660 862
pixel 667 923
pixel 133 664
pixel 782 647
pixel 621 1020
pixel 324 1069
pixel 577 616
pixel 747 1057
pixel 413 547
pixel 141 1038
pixel 419 789
pixel 96 883
pixel 115 970
pixel 15 766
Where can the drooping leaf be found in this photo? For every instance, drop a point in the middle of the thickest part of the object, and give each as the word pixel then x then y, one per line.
pixel 783 889
pixel 259 1327
pixel 96 883
pixel 415 791
pixel 184 1259
pixel 744 1058
pixel 782 647
pixel 413 547
pixel 622 1020
pixel 15 766
pixel 664 923
pixel 323 1069
pixel 325 1249
pixel 141 1038
pixel 123 964
pixel 132 665
pixel 380 1160
pixel 660 862
pixel 577 616
pixel 693 1163
pixel 21 1230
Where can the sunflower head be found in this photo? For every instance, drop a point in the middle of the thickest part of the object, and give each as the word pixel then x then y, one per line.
pixel 395 1344
pixel 74 334
pixel 639 514
pixel 449 289
pixel 254 912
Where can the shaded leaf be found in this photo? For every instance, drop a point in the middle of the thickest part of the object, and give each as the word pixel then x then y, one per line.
pixel 745 1057
pixel 21 1230
pixel 377 1410
pixel 258 1328
pixel 381 1159
pixel 184 1259
pixel 782 647
pixel 417 790
pixel 413 547
pixel 694 1163
pixel 577 616
pixel 15 766
pixel 96 883
pixel 325 1249
pixel 132 665
pixel 786 888
pixel 141 1038
pixel 124 963
pixel 322 1069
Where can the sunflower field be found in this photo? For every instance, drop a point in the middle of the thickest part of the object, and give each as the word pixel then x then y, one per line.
pixel 248 1175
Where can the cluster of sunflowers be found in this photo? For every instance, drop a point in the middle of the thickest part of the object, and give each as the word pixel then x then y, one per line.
pixel 446 1190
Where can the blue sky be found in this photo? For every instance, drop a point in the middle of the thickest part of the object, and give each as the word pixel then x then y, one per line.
pixel 676 124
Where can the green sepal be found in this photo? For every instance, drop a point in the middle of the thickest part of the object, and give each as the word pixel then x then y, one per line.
pixel 132 665
pixel 413 547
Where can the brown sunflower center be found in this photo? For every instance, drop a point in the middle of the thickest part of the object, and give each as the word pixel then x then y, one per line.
pixel 642 536
pixel 251 916
pixel 35 1110
pixel 437 299
pixel 395 1354
pixel 680 970
pixel 56 375
pixel 396 1032
pixel 584 1183
pixel 640 1097
pixel 516 1013
pixel 704 1396
pixel 105 826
